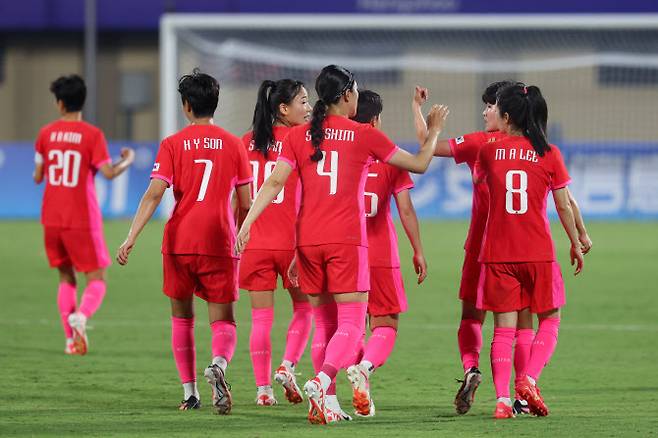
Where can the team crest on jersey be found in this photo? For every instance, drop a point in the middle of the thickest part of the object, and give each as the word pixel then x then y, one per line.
pixel 459 140
pixel 156 167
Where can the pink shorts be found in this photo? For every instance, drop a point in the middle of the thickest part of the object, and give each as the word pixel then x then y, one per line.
pixel 386 295
pixel 213 279
pixel 468 289
pixel 259 269
pixel 84 249
pixel 509 287
pixel 333 268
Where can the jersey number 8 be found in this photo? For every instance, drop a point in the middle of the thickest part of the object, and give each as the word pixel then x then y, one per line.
pixel 521 191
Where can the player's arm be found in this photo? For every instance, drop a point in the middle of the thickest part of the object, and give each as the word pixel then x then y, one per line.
pixel 563 206
pixel 37 175
pixel 147 206
pixel 419 162
pixel 111 171
pixel 583 237
pixel 242 202
pixel 420 97
pixel 410 224
pixel 267 193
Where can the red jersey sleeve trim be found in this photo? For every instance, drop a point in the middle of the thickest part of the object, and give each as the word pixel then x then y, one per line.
pixel 562 185
pixel 390 155
pixel 102 162
pixel 244 181
pixel 404 187
pixel 288 161
pixel 162 177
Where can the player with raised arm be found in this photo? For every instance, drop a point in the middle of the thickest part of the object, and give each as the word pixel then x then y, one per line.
pixel 205 164
pixel 69 153
pixel 281 105
pixel 519 270
pixel 332 154
pixel 464 149
pixel 386 299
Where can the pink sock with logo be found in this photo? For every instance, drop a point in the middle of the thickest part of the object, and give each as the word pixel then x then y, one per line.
pixel 92 297
pixel 543 346
pixel 341 347
pixel 260 344
pixel 182 345
pixel 469 338
pixel 380 345
pixel 224 339
pixel 66 302
pixel 501 359
pixel 522 347
pixel 299 331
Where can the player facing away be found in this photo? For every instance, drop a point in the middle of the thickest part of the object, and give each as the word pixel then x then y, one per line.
pixel 69 153
pixel 386 299
pixel 332 154
pixel 280 106
pixel 464 149
pixel 519 270
pixel 205 164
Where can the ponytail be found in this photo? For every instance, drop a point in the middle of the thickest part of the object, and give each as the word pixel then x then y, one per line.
pixel 527 111
pixel 317 132
pixel 263 134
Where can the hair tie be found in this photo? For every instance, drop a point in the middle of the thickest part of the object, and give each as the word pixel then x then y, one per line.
pixel 525 90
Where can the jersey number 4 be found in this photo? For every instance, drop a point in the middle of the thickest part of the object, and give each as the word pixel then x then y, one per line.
pixel 64 169
pixel 333 170
pixel 521 191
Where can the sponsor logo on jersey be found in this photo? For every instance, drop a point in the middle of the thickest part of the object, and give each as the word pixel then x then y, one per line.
pixel 459 140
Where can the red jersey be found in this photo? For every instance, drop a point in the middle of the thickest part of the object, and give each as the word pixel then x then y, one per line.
pixel 204 163
pixel 465 150
pixel 72 152
pixel 383 182
pixel 519 181
pixel 332 207
pixel 275 227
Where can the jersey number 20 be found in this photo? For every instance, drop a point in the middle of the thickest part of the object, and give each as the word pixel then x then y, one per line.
pixel 68 162
pixel 521 191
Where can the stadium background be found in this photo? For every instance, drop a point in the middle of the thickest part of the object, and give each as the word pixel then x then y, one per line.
pixel 602 114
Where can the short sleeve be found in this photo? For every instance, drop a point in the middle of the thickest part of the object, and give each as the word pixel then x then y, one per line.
pixel 287 154
pixel 99 153
pixel 481 165
pixel 402 181
pixel 163 168
pixel 379 145
pixel 39 146
pixel 244 167
pixel 560 177
pixel 465 148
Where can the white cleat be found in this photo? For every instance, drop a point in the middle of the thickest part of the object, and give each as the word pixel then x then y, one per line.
pixel 78 323
pixel 334 411
pixel 221 391
pixel 317 413
pixel 286 378
pixel 265 397
pixel 361 400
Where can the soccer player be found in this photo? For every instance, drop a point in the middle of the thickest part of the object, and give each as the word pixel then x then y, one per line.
pixel 464 149
pixel 519 269
pixel 386 299
pixel 204 164
pixel 332 154
pixel 280 106
pixel 69 152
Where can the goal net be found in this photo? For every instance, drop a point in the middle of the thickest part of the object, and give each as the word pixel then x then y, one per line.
pixel 599 75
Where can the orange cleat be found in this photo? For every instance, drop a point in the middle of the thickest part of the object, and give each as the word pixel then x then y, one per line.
pixel 287 379
pixel 78 323
pixel 361 400
pixel 503 411
pixel 316 399
pixel 530 392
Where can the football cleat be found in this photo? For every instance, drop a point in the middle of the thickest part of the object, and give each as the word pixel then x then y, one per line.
pixel 78 323
pixel 265 398
pixel 466 394
pixel 530 392
pixel 221 390
pixel 316 399
pixel 191 403
pixel 334 413
pixel 520 407
pixel 70 348
pixel 361 400
pixel 286 378
pixel 503 411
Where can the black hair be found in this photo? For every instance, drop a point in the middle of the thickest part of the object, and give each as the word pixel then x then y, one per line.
pixel 527 111
pixel 71 90
pixel 271 94
pixel 331 84
pixel 489 95
pixel 201 91
pixel 370 106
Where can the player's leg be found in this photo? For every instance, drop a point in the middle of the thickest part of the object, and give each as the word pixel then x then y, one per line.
pixel 525 335
pixel 501 361
pixel 184 350
pixel 260 344
pixel 297 336
pixel 92 297
pixel 67 302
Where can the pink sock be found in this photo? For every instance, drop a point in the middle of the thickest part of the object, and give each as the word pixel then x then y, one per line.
pixel 182 344
pixel 543 346
pixel 501 359
pixel 351 325
pixel 380 345
pixel 469 338
pixel 299 331
pixel 358 352
pixel 66 302
pixel 260 344
pixel 92 297
pixel 325 326
pixel 524 338
pixel 224 338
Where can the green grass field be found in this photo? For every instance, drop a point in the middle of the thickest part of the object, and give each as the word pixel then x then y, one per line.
pixel 602 380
